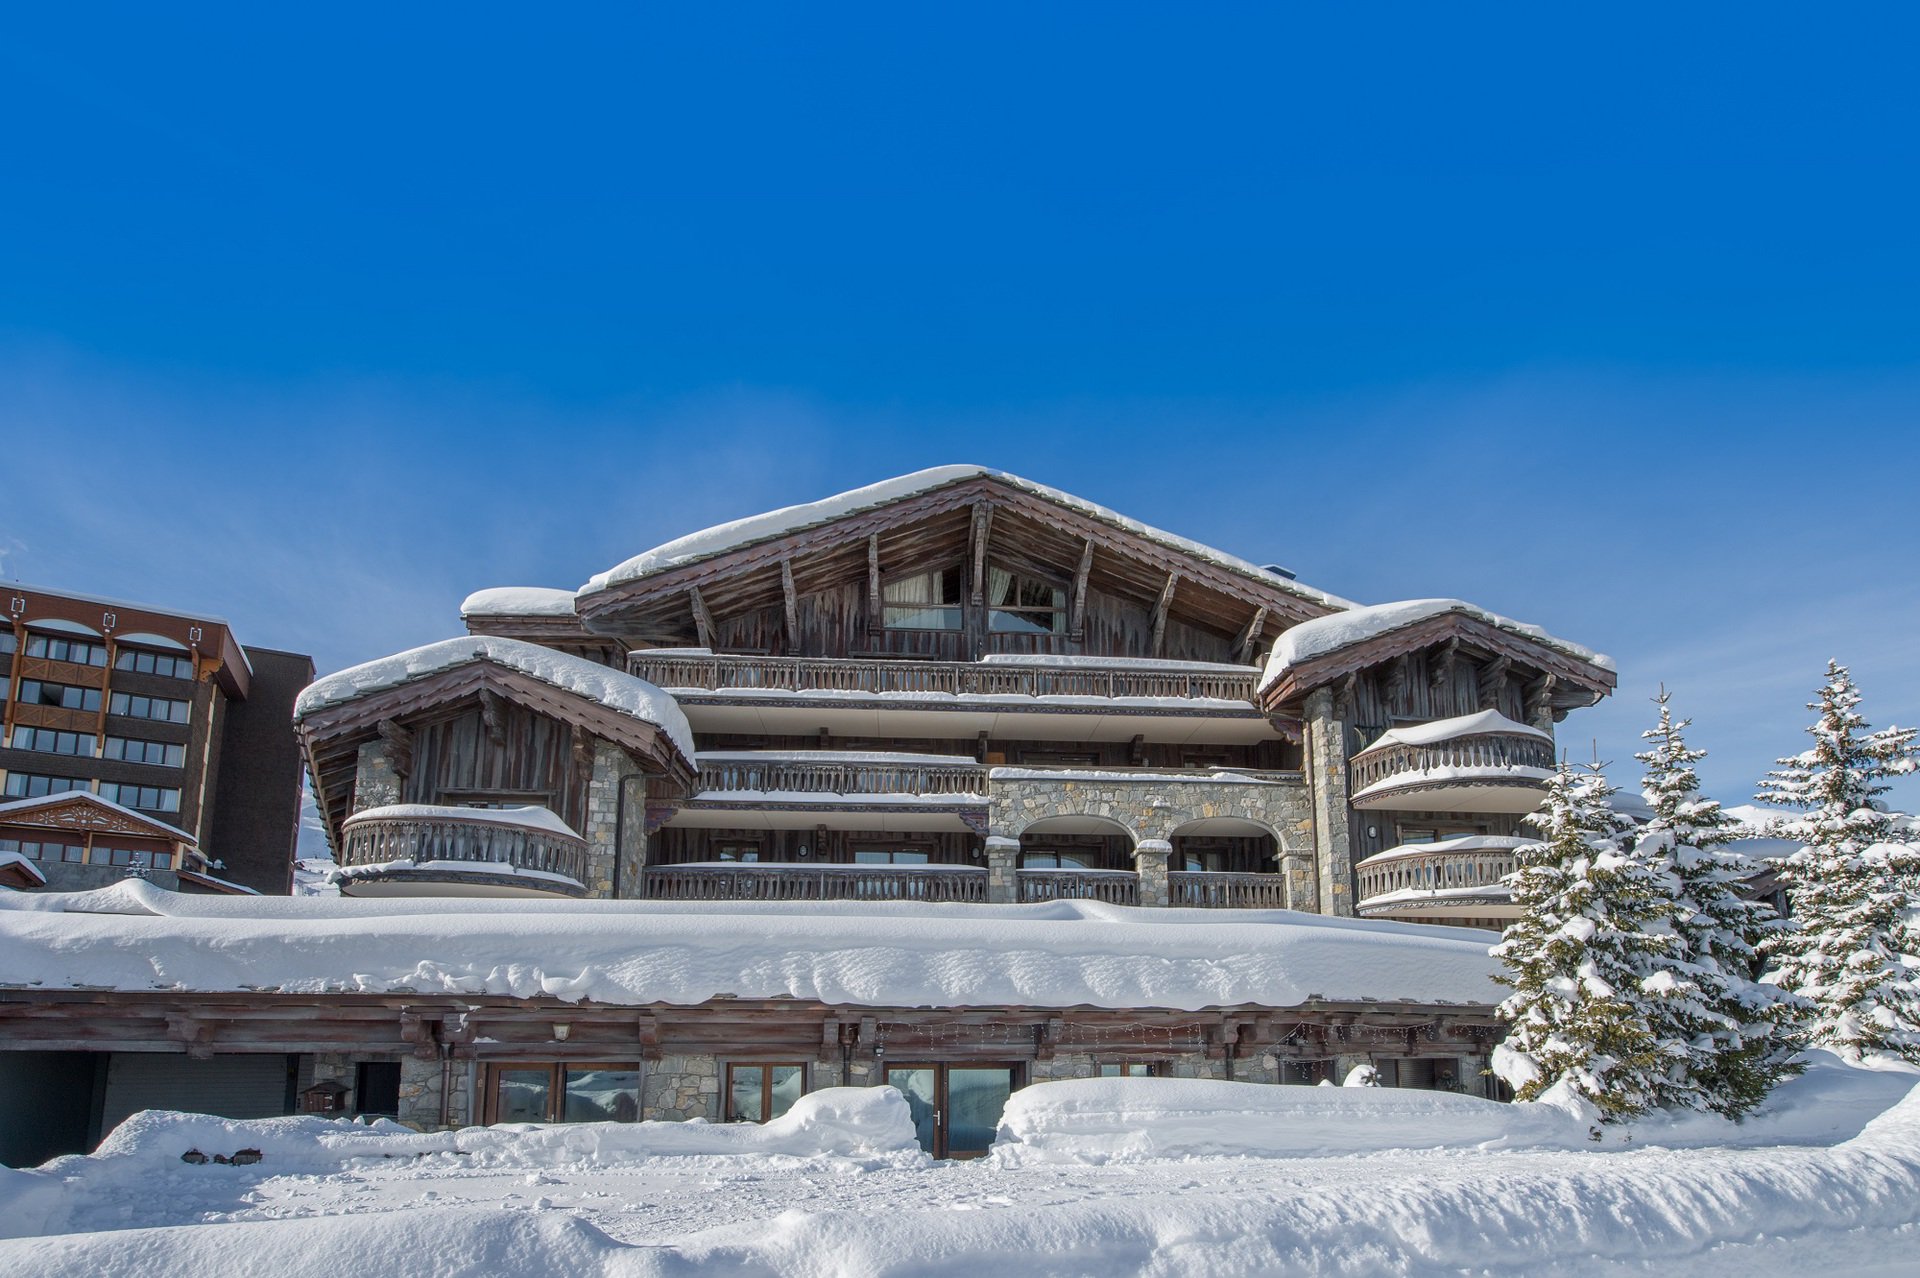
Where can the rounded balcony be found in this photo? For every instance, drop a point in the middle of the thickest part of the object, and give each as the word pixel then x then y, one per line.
pixel 1459 881
pixel 418 849
pixel 1482 762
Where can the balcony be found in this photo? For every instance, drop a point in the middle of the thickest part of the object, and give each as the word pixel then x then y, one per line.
pixel 1115 887
pixel 836 774
pixel 1208 890
pixel 1451 881
pixel 882 677
pixel 776 881
pixel 427 850
pixel 1476 763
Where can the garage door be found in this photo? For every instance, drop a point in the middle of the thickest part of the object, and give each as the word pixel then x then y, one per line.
pixel 229 1086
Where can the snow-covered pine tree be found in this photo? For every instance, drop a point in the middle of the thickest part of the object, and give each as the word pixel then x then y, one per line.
pixel 1851 886
pixel 1576 956
pixel 1729 1038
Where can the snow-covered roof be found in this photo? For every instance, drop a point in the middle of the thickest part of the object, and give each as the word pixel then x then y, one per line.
pixel 518 601
pixel 1322 635
pixel 530 816
pixel 612 688
pixel 722 538
pixel 17 860
pixel 133 936
pixel 1466 725
pixel 24 807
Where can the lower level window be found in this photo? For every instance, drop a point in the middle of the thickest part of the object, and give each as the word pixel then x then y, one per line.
pixel 890 856
pixel 573 1092
pixel 39 850
pixel 1126 1069
pixel 756 1093
pixel 133 856
pixel 1055 861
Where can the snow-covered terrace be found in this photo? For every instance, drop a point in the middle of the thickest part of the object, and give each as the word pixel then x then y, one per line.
pixel 1481 762
pixel 133 937
pixel 1462 877
pixel 408 849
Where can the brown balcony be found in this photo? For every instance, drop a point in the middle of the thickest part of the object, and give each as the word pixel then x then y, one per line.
pixel 779 881
pixel 1209 890
pixel 425 850
pixel 883 677
pixel 1451 881
pixel 1115 887
pixel 832 774
pixel 1476 763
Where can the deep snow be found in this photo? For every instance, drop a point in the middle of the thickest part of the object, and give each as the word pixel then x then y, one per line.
pixel 1706 1199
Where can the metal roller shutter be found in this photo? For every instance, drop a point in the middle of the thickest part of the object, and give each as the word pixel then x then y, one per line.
pixel 228 1086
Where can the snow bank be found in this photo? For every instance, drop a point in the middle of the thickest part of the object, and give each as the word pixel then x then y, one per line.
pixel 25 865
pixel 1129 1119
pixel 518 601
pixel 1466 725
pixel 612 688
pixel 1322 635
pixel 722 538
pixel 134 936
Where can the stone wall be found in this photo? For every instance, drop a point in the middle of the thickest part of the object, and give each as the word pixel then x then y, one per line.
pixel 1329 813
pixel 375 783
pixel 681 1087
pixel 611 766
pixel 420 1094
pixel 1151 809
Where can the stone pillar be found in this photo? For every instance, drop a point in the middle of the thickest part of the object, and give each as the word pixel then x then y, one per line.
pixel 375 783
pixel 1296 868
pixel 1003 878
pixel 1327 780
pixel 611 766
pixel 1150 863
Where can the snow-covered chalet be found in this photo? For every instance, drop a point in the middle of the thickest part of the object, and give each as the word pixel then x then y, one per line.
pixel 641 834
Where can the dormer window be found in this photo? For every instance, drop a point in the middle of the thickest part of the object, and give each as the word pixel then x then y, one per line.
pixel 923 601
pixel 1019 603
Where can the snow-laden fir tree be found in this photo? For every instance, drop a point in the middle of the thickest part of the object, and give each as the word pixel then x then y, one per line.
pixel 1576 956
pixel 1852 885
pixel 1728 1038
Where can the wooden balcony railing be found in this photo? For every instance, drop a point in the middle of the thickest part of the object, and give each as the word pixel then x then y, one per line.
pixel 1115 887
pixel 1468 864
pixel 811 776
pixel 474 841
pixel 1487 753
pixel 771 881
pixel 1200 889
pixel 956 678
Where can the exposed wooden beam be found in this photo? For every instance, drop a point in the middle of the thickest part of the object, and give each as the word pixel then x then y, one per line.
pixel 874 618
pixel 702 619
pixel 1079 620
pixel 1440 665
pixel 790 597
pixel 982 530
pixel 397 745
pixel 1492 675
pixel 1250 637
pixel 1160 613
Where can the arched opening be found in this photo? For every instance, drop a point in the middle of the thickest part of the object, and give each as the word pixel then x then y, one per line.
pixel 1224 845
pixel 1076 843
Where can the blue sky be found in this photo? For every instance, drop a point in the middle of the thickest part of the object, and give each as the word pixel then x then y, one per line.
pixel 1607 320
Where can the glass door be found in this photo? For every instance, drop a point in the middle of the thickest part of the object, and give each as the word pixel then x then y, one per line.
pixel 956 1108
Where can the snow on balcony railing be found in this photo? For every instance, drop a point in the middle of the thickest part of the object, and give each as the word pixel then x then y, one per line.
pixel 778 881
pixel 1480 747
pixel 682 671
pixel 1115 887
pixel 463 840
pixel 1474 864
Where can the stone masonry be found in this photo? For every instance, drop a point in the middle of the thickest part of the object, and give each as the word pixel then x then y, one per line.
pixel 375 783
pixel 611 766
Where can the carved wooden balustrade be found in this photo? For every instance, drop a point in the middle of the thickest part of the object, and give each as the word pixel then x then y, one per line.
pixel 810 776
pixel 1486 753
pixel 1209 890
pixel 1463 865
pixel 468 840
pixel 775 881
pixel 1115 887
pixel 721 673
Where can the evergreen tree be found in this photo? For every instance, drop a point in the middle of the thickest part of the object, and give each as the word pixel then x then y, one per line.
pixel 1728 1039
pixel 1577 954
pixel 1851 886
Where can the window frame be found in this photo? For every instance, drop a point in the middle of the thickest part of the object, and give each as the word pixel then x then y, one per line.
pixel 1058 611
pixel 766 1088
pixel 958 608
pixel 557 1087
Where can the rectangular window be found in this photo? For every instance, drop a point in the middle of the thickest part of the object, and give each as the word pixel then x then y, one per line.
pixel 140 661
pixel 166 754
pixel 132 856
pixel 164 709
pixel 1126 1069
pixel 28 785
pixel 35 692
pixel 376 1088
pixel 77 651
pixel 51 741
pixel 148 798
pixel 759 1093
pixel 926 601
pixel 8 643
pixel 1022 604
pixel 543 1092
pixel 38 850
pixel 1053 859
pixel 890 856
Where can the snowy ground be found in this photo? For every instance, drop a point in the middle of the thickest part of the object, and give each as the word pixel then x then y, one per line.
pixel 1830 1181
